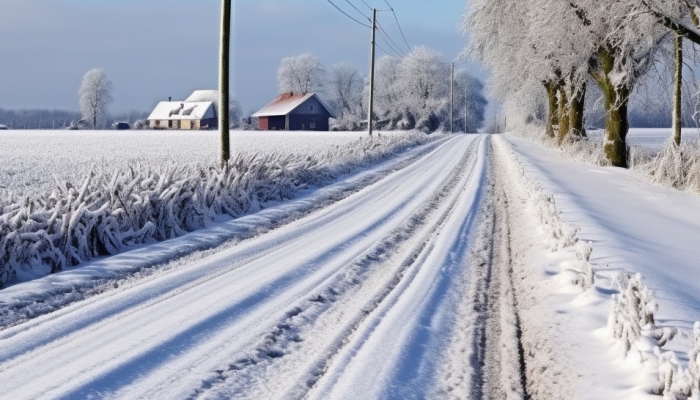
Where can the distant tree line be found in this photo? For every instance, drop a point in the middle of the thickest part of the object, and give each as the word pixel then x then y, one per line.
pixel 60 119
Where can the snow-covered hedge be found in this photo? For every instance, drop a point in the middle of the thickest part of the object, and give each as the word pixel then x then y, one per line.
pixel 631 320
pixel 560 234
pixel 44 234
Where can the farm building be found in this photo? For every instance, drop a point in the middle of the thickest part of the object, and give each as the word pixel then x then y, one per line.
pixel 197 112
pixel 295 112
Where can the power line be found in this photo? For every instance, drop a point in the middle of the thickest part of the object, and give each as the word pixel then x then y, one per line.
pixel 368 6
pixel 348 15
pixel 384 51
pixel 358 10
pixel 389 41
pixel 399 24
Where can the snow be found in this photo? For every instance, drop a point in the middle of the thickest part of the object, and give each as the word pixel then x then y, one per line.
pixel 286 103
pixel 653 138
pixel 635 227
pixel 258 310
pixel 183 110
pixel 31 160
pixel 476 266
pixel 204 95
pixel 106 213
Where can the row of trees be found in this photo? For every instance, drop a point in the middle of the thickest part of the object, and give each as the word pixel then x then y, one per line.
pixel 62 119
pixel 549 52
pixel 413 92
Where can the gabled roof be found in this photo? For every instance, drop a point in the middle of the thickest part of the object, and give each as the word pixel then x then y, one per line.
pixel 182 110
pixel 287 102
pixel 204 95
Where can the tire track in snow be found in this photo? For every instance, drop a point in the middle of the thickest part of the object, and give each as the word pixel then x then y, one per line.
pixel 395 352
pixel 165 347
pixel 375 275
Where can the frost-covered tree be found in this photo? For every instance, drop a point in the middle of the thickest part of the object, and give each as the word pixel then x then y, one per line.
pixel 470 103
pixel 414 93
pixel 345 90
pixel 300 74
pixel 557 43
pixel 95 95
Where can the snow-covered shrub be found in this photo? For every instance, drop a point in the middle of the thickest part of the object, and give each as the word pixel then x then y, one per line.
pixel 141 125
pixel 674 166
pixel 47 233
pixel 587 276
pixel 674 380
pixel 694 361
pixel 633 309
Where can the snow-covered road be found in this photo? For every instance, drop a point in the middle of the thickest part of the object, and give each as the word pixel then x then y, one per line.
pixel 361 299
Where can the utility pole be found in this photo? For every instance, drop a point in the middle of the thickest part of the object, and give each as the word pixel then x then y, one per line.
pixel 452 99
pixel 224 57
pixel 371 72
pixel 466 105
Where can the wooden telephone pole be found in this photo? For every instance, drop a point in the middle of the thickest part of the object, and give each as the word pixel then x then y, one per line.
pixel 452 98
pixel 224 56
pixel 371 72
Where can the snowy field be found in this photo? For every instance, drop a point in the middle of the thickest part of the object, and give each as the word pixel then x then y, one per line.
pixel 31 160
pixel 652 138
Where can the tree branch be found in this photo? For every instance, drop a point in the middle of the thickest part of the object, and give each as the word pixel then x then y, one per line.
pixel 688 32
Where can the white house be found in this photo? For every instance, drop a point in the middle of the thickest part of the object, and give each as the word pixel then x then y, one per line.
pixel 197 112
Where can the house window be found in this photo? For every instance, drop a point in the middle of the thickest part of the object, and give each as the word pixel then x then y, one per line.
pixel 312 125
pixel 311 108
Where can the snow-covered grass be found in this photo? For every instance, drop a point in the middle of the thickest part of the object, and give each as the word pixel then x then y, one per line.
pixel 652 139
pixel 635 228
pixel 32 161
pixel 169 186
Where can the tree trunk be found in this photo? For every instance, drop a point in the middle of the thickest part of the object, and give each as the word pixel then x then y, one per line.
pixel 677 93
pixel 553 116
pixel 563 116
pixel 224 56
pixel 576 109
pixel 616 126
pixel 616 104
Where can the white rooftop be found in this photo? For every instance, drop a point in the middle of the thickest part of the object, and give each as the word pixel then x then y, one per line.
pixel 183 110
pixel 204 95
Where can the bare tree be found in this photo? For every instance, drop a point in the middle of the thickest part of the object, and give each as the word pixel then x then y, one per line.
pixel 300 74
pixel 95 95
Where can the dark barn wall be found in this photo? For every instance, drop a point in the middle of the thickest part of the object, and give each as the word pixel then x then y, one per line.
pixel 310 106
pixel 302 122
pixel 311 110
pixel 276 123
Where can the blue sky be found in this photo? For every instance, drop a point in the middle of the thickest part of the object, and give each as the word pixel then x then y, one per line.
pixel 153 49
